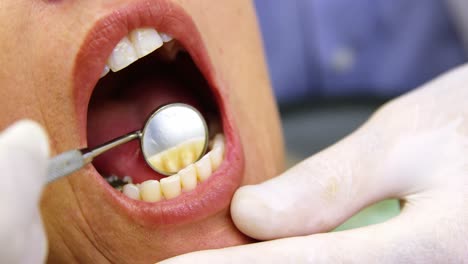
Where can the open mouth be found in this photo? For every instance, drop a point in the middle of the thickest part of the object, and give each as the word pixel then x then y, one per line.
pixel 155 56
pixel 148 70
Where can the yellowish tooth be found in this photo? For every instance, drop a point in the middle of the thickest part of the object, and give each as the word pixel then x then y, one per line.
pixel 204 168
pixel 187 156
pixel 150 191
pixel 157 162
pixel 132 191
pixel 171 165
pixel 216 156
pixel 219 142
pixel 198 146
pixel 188 178
pixel 170 186
pixel 171 160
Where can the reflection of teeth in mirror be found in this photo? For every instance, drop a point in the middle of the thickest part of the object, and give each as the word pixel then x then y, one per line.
pixel 170 159
pixel 157 162
pixel 178 157
pixel 184 181
pixel 198 146
pixel 187 156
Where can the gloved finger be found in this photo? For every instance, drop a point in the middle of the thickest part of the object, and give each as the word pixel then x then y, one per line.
pixel 319 193
pixel 24 152
pixel 398 240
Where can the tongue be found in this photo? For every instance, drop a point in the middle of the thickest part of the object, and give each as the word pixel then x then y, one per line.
pixel 122 102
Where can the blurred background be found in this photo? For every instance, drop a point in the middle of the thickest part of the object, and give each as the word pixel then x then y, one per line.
pixel 333 62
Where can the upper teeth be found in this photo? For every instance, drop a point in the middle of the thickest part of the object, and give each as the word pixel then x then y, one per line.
pixel 137 44
pixel 178 157
pixel 185 180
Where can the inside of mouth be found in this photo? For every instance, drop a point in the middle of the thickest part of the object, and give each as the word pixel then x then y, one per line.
pixel 122 101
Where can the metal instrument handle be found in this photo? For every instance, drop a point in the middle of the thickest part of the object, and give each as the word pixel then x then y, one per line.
pixel 73 160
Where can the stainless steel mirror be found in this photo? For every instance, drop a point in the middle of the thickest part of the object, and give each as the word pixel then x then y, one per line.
pixel 174 137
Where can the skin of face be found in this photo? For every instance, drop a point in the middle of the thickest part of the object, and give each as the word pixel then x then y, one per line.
pixel 40 43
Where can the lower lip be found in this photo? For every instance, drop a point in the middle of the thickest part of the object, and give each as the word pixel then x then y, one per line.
pixel 209 197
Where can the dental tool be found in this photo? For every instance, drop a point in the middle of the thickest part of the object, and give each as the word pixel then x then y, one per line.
pixel 170 131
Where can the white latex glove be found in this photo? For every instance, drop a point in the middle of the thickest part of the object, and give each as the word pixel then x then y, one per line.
pixel 414 148
pixel 24 152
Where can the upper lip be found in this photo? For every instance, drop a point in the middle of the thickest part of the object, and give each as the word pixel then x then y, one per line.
pixel 209 197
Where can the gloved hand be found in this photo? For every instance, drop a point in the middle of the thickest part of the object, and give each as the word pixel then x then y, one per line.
pixel 414 148
pixel 24 152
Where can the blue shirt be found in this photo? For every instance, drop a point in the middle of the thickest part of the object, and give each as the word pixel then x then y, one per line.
pixel 356 47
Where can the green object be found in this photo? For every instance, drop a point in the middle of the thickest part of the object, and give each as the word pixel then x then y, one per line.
pixel 374 214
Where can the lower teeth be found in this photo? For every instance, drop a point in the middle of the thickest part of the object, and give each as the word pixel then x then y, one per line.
pixel 172 186
pixel 118 183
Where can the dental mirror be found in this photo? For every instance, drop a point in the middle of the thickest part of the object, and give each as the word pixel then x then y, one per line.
pixel 173 137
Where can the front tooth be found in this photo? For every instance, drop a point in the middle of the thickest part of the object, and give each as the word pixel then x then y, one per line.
pixel 132 191
pixel 171 160
pixel 150 191
pixel 157 162
pixel 216 155
pixel 187 156
pixel 170 186
pixel 188 178
pixel 123 55
pixel 204 168
pixel 165 37
pixel 145 41
pixel 219 141
pixel 217 151
pixel 198 146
